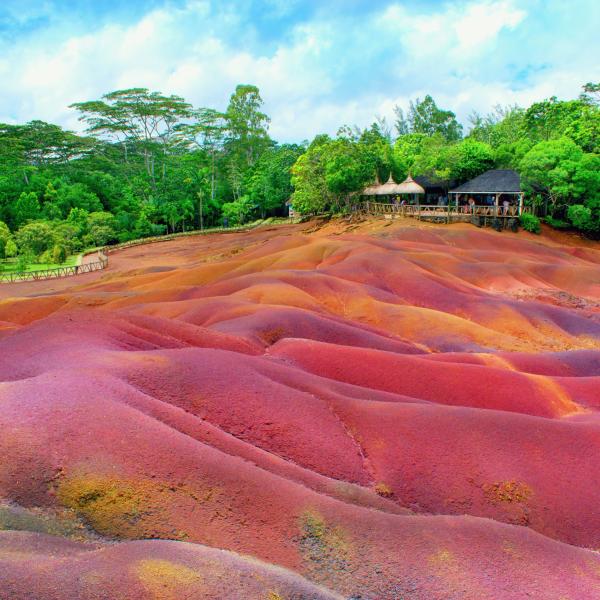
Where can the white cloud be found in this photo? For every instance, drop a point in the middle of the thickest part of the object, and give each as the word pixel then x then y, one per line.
pixel 481 23
pixel 318 75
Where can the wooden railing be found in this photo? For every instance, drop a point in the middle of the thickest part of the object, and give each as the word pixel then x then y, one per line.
pixel 426 211
pixel 102 262
pixel 58 272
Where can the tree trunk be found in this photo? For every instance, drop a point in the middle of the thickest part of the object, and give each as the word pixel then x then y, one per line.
pixel 212 179
pixel 201 214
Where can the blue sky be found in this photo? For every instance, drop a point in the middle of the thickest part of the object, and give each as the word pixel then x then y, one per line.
pixel 319 64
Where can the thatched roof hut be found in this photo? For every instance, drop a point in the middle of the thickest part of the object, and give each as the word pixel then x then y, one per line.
pixel 389 188
pixel 410 186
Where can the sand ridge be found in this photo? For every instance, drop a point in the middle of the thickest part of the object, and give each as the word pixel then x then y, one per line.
pixel 384 410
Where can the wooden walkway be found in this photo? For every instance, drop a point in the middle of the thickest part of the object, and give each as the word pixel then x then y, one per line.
pixel 482 215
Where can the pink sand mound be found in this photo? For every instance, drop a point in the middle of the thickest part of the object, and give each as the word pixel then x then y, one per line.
pixel 140 570
pixel 392 413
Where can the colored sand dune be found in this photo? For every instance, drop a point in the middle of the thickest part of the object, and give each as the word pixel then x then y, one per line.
pixel 404 411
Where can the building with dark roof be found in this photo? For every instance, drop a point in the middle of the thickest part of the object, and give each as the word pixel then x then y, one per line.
pixel 497 187
pixel 494 181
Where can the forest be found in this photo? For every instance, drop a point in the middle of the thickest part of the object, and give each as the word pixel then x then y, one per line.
pixel 150 164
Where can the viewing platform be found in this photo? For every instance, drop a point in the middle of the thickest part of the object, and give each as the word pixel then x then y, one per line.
pixel 478 214
pixel 492 198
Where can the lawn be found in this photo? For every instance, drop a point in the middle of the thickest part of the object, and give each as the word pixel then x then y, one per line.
pixel 9 265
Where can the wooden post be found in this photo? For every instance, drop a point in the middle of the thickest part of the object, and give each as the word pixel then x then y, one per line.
pixel 496 203
pixel 448 213
pixel 520 203
pixel 418 207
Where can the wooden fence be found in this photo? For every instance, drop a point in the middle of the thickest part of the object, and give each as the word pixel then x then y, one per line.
pixel 103 253
pixel 57 272
pixel 448 214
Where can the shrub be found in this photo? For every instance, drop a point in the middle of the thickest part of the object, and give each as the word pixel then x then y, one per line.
pixel 556 223
pixel 59 254
pixel 237 212
pixel 4 238
pixel 580 216
pixel 10 250
pixel 530 223
pixel 24 260
pixel 45 257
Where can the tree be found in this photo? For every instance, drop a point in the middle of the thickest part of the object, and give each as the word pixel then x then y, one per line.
pixel 576 119
pixel 424 116
pixel 401 123
pixel 207 133
pixel 137 119
pixel 77 196
pixel 502 126
pixel 34 238
pixel 348 168
pixel 237 212
pixel 467 159
pixel 311 194
pixel 419 154
pixel 270 182
pixel 27 208
pixel 330 172
pixel 50 206
pixel 561 172
pixel 377 143
pixel 591 93
pixel 102 229
pixel 247 125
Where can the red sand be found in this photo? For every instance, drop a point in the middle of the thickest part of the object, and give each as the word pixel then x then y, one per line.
pixel 396 412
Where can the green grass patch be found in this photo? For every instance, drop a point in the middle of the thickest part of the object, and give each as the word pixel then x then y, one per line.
pixel 10 265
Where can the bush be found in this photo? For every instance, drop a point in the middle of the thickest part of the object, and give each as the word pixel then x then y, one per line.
pixel 580 216
pixel 11 250
pixel 556 223
pixel 586 217
pixel 4 238
pixel 530 223
pixel 45 257
pixel 237 212
pixel 59 254
pixel 24 260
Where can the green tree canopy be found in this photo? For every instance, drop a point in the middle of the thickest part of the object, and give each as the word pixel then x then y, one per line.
pixel 424 116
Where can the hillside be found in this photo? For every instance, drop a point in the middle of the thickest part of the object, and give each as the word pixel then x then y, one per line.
pixel 328 410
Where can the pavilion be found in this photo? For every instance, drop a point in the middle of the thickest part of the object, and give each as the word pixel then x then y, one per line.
pixel 487 193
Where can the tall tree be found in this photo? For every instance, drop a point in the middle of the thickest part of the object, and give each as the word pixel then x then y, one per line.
pixel 247 125
pixel 207 132
pixel 424 116
pixel 138 119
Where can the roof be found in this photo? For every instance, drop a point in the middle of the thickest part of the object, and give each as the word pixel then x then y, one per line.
pixel 432 183
pixel 371 190
pixel 410 186
pixel 389 188
pixel 490 182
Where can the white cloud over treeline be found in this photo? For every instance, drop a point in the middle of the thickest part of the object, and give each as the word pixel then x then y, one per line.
pixel 331 68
